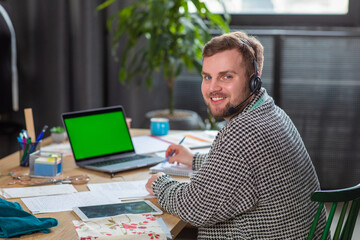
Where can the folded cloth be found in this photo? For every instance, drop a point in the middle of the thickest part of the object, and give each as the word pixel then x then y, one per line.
pixel 125 226
pixel 15 221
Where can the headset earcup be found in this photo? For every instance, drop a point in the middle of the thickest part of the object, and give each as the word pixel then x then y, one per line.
pixel 255 84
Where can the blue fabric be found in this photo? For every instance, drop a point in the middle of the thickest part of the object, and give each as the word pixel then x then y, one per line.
pixel 15 221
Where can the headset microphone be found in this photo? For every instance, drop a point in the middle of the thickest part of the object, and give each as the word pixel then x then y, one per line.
pixel 233 110
pixel 254 83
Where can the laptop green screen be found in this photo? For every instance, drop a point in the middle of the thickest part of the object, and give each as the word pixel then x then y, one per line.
pixel 99 134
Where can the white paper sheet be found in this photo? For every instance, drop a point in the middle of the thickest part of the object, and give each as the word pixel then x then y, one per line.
pixel 193 140
pixel 37 191
pixel 123 190
pixel 147 144
pixel 66 202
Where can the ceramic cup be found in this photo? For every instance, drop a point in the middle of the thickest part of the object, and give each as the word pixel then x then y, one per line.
pixel 128 122
pixel 159 126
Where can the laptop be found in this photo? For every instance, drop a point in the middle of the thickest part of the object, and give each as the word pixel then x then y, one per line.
pixel 100 140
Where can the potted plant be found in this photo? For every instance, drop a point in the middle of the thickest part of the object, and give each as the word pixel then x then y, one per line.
pixel 174 31
pixel 58 134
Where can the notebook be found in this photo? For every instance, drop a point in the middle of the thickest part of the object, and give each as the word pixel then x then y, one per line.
pixel 173 169
pixel 100 140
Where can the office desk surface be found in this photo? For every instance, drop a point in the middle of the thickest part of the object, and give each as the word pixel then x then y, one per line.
pixel 65 229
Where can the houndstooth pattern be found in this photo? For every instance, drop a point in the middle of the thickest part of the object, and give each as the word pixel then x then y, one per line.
pixel 255 183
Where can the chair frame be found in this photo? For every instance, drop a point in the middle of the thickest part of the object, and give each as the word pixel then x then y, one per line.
pixel 347 196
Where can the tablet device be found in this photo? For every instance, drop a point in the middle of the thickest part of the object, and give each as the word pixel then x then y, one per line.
pixel 108 210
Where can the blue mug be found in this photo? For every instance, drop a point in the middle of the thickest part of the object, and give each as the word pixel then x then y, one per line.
pixel 159 126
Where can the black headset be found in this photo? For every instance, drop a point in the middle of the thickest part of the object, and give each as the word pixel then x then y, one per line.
pixel 254 83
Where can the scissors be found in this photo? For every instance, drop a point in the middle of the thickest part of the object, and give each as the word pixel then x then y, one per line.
pixel 76 180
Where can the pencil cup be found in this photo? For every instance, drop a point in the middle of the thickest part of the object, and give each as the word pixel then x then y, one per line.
pixel 159 126
pixel 25 150
pixel 45 164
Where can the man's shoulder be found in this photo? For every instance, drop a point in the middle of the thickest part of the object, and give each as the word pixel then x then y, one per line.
pixel 253 124
pixel 255 117
pixel 241 128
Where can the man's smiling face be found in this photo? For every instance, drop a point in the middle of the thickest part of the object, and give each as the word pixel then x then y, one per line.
pixel 224 83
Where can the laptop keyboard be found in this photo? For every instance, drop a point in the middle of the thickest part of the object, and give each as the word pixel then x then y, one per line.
pixel 116 161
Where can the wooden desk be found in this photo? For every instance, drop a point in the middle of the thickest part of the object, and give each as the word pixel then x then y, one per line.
pixel 65 229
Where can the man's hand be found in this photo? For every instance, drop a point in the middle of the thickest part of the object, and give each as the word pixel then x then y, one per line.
pixel 182 155
pixel 152 179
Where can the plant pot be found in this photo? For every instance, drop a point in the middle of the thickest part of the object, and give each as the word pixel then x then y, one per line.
pixel 181 120
pixel 58 137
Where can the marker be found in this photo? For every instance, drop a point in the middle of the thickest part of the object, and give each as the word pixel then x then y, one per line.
pixel 25 154
pixel 24 142
pixel 173 152
pixel 24 132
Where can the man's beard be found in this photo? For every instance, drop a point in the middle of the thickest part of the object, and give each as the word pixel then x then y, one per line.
pixel 225 112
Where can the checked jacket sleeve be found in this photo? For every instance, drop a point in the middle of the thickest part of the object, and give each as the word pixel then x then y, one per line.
pixel 222 189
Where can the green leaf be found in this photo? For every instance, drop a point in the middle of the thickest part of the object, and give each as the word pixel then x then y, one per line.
pixel 217 19
pixel 199 7
pixel 105 5
pixel 200 23
pixel 198 65
pixel 187 24
pixel 188 63
pixel 149 81
pixel 178 70
pixel 109 23
pixel 226 13
pixel 122 74
pixel 57 129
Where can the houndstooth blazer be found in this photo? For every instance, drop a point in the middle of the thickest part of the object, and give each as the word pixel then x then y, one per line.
pixel 255 183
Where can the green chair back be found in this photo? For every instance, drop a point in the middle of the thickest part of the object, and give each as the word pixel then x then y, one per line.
pixel 349 197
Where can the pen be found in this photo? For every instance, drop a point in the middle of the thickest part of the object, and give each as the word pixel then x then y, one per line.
pixel 38 139
pixel 173 152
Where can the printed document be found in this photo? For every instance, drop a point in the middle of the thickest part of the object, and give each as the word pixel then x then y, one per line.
pixel 66 202
pixel 123 190
pixel 37 191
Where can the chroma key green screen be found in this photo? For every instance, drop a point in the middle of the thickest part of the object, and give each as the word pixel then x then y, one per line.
pixel 97 135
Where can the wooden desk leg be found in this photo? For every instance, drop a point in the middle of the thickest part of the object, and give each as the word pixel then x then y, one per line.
pixel 177 229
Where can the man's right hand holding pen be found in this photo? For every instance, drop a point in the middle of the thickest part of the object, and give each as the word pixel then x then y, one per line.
pixel 175 153
pixel 181 154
